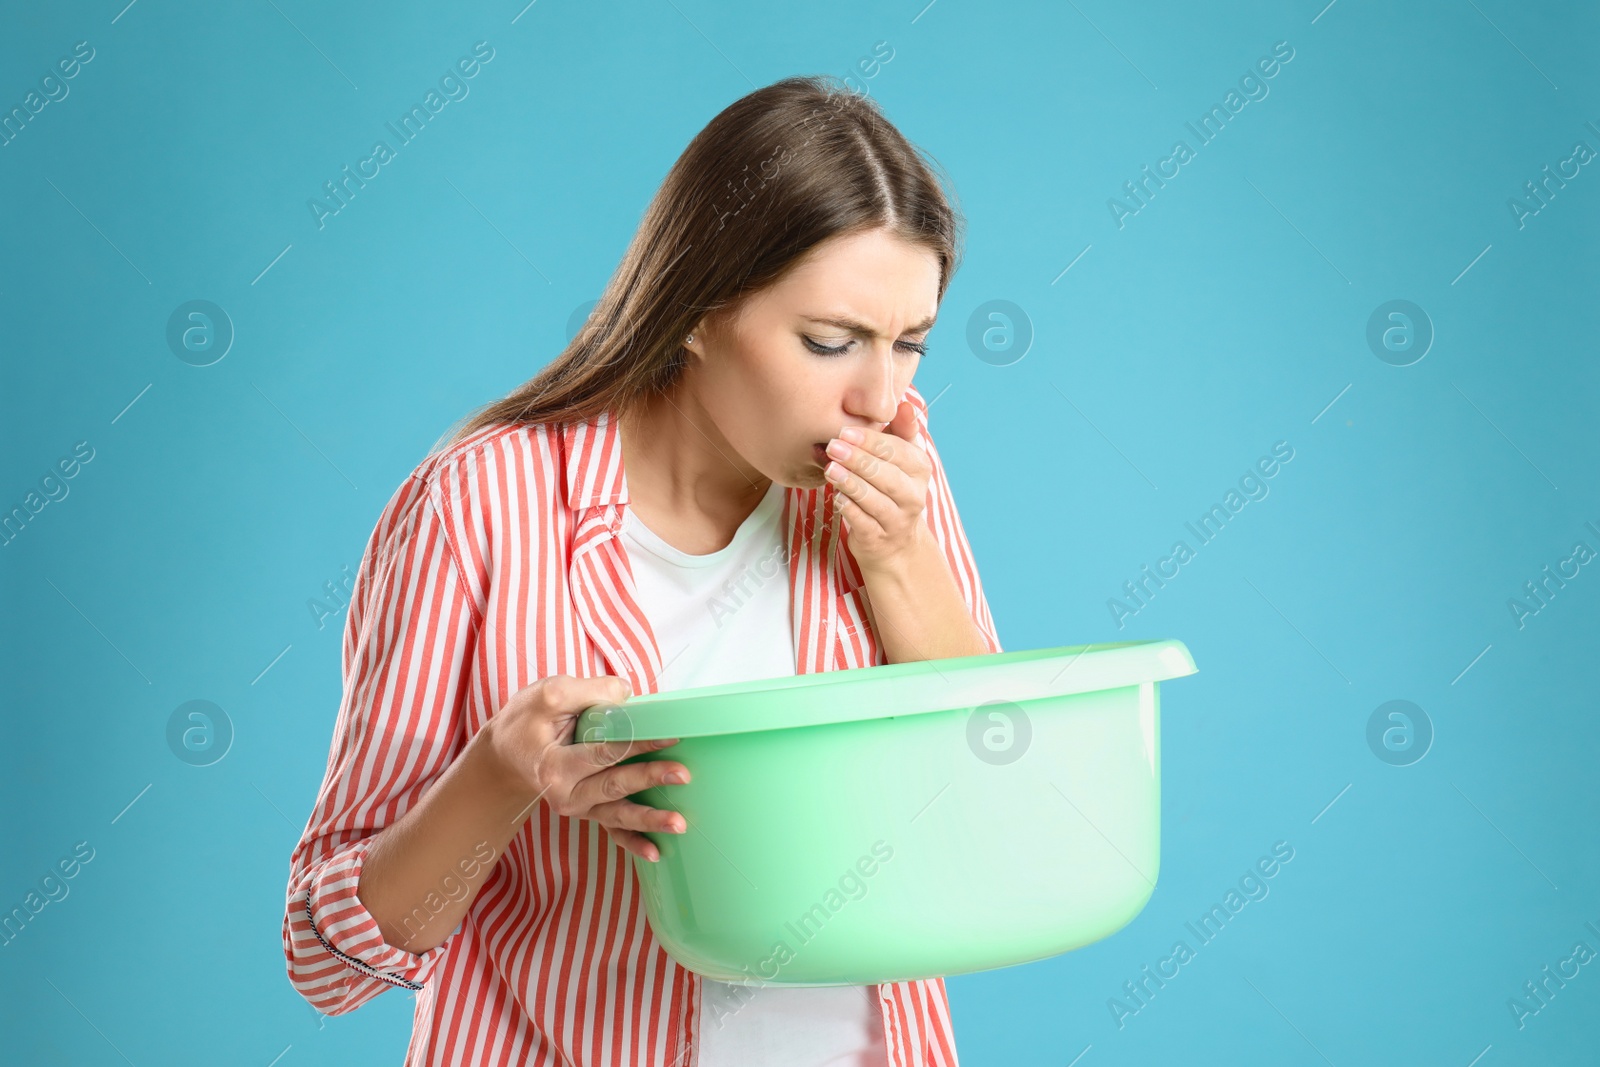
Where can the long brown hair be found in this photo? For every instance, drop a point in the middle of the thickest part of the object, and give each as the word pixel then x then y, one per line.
pixel 773 175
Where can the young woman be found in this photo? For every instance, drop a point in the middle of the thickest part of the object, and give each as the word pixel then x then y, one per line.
pixel 665 505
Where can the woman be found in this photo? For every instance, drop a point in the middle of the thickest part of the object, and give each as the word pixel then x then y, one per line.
pixel 605 530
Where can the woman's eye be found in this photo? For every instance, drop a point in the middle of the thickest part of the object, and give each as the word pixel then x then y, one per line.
pixel 919 347
pixel 824 350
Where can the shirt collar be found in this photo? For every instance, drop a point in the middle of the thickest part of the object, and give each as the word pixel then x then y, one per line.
pixel 594 474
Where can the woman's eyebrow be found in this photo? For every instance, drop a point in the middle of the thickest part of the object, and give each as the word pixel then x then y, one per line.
pixel 862 328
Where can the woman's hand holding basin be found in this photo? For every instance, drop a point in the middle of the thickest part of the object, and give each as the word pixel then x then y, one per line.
pixel 531 742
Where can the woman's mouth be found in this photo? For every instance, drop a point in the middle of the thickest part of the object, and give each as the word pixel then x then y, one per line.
pixel 820 451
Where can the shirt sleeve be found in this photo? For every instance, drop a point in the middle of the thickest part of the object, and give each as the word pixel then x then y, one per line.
pixel 407 647
pixel 945 522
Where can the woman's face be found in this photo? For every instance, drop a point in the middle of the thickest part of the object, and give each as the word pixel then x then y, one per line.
pixel 832 344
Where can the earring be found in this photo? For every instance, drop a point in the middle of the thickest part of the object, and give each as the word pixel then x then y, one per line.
pixel 689 339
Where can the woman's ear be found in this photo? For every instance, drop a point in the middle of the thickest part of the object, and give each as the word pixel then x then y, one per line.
pixel 695 340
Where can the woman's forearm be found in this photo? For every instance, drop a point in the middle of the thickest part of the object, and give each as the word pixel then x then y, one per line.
pixel 424 870
pixel 916 608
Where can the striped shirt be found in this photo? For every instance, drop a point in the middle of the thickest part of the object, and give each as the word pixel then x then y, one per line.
pixel 496 563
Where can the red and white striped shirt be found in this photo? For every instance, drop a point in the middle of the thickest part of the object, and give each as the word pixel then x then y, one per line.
pixel 496 563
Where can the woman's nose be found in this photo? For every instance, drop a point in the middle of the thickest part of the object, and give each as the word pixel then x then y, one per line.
pixel 876 393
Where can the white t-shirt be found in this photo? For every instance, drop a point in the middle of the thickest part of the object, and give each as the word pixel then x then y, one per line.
pixel 725 617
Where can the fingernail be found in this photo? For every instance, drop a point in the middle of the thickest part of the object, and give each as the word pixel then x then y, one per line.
pixel 676 778
pixel 838 448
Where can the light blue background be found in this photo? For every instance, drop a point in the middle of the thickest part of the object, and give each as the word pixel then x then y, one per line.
pixel 1228 314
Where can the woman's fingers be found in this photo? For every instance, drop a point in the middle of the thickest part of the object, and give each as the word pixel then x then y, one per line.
pixel 598 755
pixel 600 789
pixel 634 842
pixel 629 815
pixel 885 463
pixel 532 732
pixel 869 499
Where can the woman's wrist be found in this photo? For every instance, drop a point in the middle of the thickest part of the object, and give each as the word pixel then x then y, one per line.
pixel 491 765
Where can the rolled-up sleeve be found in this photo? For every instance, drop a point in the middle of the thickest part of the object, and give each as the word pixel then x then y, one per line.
pixel 945 522
pixel 407 650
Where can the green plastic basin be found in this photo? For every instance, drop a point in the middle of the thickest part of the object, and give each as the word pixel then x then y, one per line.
pixel 904 821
